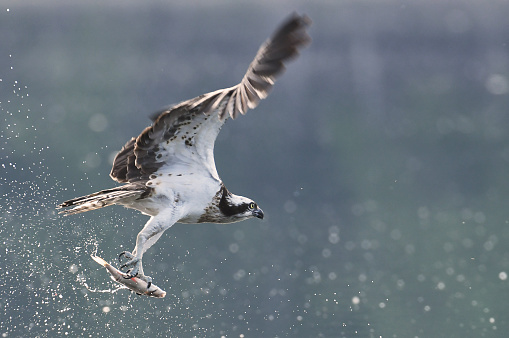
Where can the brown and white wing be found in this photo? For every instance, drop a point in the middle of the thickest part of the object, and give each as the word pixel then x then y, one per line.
pixel 181 139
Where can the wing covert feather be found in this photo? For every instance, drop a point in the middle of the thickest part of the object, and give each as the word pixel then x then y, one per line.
pixel 184 134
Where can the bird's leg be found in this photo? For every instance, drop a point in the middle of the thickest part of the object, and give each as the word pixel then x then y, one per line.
pixel 150 233
pixel 134 263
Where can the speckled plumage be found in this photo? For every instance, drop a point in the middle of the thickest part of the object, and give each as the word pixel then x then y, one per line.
pixel 169 171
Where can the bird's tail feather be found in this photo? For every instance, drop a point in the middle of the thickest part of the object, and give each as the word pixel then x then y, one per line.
pixel 100 199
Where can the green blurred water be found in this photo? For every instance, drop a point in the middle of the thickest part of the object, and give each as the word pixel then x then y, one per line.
pixel 380 160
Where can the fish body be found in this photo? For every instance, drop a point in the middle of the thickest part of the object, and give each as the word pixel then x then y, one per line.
pixel 137 285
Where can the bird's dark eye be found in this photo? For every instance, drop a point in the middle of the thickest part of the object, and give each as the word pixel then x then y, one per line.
pixel 252 206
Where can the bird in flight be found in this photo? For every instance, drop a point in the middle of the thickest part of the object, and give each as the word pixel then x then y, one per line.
pixel 168 172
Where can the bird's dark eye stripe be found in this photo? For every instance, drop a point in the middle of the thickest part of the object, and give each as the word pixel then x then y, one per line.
pixel 228 209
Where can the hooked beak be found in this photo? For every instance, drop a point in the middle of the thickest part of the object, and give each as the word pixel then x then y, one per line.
pixel 258 213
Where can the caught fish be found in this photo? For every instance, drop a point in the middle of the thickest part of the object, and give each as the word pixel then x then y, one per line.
pixel 135 284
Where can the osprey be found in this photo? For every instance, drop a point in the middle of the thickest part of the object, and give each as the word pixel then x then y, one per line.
pixel 169 172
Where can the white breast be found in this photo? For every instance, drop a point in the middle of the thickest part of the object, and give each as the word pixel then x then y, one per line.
pixel 191 192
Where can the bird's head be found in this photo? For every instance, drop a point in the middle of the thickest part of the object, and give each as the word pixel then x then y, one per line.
pixel 238 208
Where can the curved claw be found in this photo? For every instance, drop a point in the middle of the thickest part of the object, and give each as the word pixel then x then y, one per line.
pixel 129 275
pixel 127 255
pixel 147 279
pixel 134 267
pixel 134 264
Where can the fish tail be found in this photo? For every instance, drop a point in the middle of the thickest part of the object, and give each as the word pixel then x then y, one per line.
pixel 99 260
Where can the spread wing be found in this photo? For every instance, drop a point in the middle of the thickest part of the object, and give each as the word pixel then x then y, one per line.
pixel 181 139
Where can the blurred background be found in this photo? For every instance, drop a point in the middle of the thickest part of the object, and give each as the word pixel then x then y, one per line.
pixel 380 159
